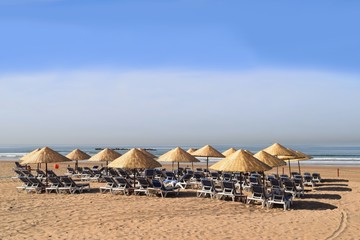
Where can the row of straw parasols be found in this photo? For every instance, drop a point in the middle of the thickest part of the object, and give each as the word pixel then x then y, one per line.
pixel 234 160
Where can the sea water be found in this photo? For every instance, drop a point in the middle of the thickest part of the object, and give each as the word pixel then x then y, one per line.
pixel 322 154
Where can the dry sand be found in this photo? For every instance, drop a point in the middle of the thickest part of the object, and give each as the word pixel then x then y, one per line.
pixel 328 211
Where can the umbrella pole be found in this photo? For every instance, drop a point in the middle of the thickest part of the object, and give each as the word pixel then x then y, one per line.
pixel 263 173
pixel 178 173
pixel 192 166
pixel 172 166
pixel 76 165
pixel 46 173
pixel 277 170
pixel 289 168
pixel 240 184
pixel 207 164
pixel 299 167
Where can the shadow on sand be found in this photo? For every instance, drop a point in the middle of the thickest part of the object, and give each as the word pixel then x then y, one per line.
pixel 323 196
pixel 334 180
pixel 312 205
pixel 337 189
pixel 332 184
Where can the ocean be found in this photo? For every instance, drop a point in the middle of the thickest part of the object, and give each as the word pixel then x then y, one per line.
pixel 322 155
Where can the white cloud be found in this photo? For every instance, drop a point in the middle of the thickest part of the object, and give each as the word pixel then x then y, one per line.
pixel 179 107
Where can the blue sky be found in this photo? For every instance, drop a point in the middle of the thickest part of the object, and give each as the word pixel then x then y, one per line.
pixel 179 72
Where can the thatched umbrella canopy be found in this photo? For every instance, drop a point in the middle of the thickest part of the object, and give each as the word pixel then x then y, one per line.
pixel 177 155
pixel 229 152
pixel 249 152
pixel 147 153
pixel 300 156
pixel 46 155
pixel 77 155
pixel 240 161
pixel 191 150
pixel 105 155
pixel 134 159
pixel 26 156
pixel 281 152
pixel 207 151
pixel 270 160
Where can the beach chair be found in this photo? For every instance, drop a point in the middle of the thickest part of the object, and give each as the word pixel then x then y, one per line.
pixel 144 184
pixel 27 173
pixel 50 173
pixel 299 186
pixel 159 174
pixel 56 185
pixel 308 181
pixel 89 175
pixel 258 195
pixel 215 176
pixel 124 187
pixel 196 179
pixel 169 175
pixel 316 177
pixel 207 188
pixel 276 184
pixel 228 190
pixel 226 176
pixel 149 173
pixel 290 187
pixel 36 186
pixel 280 197
pixel 19 166
pixel 25 183
pixel 40 174
pixel 184 181
pixel 158 188
pixel 110 184
pixel 73 187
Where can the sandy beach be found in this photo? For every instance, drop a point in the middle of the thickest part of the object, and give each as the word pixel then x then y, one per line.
pixel 328 211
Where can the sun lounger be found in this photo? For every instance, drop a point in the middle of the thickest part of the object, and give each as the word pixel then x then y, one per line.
pixel 258 195
pixel 308 181
pixel 299 186
pixel 158 188
pixel 280 197
pixel 290 187
pixel 316 177
pixel 228 190
pixel 184 181
pixel 56 185
pixel 207 188
pixel 110 184
pixel 36 186
pixel 124 187
pixel 196 179
pixel 25 183
pixel 74 187
pixel 144 184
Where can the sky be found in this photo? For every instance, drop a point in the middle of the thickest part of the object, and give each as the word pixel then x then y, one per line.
pixel 179 72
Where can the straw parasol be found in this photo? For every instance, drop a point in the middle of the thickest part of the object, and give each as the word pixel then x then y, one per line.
pixel 26 156
pixel 45 155
pixel 270 160
pixel 281 152
pixel 134 159
pixel 191 150
pixel 240 161
pixel 77 155
pixel 105 155
pixel 177 155
pixel 249 152
pixel 147 153
pixel 300 156
pixel 207 151
pixel 229 152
